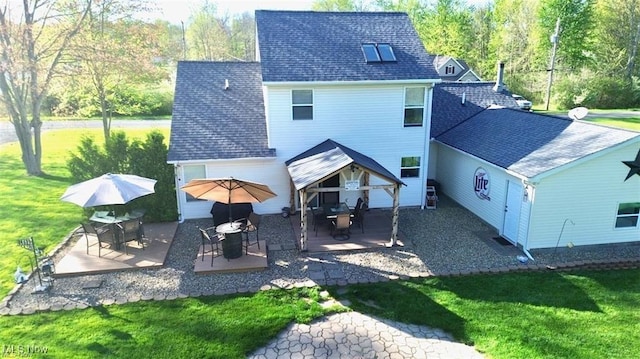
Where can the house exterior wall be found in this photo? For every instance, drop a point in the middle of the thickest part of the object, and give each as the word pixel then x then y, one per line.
pixel 455 173
pixel 366 118
pixel 587 194
pixel 267 171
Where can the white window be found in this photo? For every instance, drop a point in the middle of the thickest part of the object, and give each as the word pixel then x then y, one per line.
pixel 413 106
pixel 410 167
pixel 628 214
pixel 193 172
pixel 450 70
pixel 302 104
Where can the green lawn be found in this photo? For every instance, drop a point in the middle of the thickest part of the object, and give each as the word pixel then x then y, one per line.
pixel 31 206
pixel 520 315
pixel 586 314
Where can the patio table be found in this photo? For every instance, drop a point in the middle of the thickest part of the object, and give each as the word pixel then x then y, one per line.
pixel 332 210
pixel 232 242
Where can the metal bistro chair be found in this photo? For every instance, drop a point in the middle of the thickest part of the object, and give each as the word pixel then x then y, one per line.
pixel 341 226
pixel 358 216
pixel 130 230
pixel 104 234
pixel 214 249
pixel 253 225
pixel 318 218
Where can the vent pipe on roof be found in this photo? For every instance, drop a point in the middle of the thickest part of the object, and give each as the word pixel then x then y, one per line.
pixel 499 86
pixel 464 98
pixel 226 84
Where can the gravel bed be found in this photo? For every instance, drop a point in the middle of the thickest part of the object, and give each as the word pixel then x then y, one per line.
pixel 446 241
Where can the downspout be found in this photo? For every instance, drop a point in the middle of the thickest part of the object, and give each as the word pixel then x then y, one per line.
pixel 176 178
pixel 525 246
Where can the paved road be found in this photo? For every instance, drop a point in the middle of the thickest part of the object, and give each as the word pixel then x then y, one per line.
pixel 8 132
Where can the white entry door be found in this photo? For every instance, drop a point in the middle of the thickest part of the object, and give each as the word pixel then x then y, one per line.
pixel 512 208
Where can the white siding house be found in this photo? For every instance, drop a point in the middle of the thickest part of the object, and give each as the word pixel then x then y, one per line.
pixel 550 181
pixel 367 87
pixel 354 95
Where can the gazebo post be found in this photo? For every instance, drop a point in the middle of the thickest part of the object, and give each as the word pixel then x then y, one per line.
pixel 396 215
pixel 303 220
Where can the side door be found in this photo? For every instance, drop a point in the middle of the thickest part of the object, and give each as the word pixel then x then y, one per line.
pixel 512 208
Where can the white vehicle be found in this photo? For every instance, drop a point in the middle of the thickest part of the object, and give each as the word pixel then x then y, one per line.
pixel 522 102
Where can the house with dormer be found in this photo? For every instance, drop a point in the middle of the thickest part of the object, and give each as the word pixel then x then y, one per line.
pixel 341 106
pixel 451 69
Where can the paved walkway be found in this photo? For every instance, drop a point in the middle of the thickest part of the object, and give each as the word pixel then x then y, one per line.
pixel 355 335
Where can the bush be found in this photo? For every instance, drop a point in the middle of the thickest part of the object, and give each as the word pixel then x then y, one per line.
pixel 146 159
pixel 610 92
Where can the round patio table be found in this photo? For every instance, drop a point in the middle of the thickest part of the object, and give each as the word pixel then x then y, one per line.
pixel 232 242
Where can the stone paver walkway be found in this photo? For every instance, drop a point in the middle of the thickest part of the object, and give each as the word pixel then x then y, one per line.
pixel 357 336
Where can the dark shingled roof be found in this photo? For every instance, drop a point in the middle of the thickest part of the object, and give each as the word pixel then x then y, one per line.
pixel 530 144
pixel 210 122
pixel 329 157
pixel 326 46
pixel 448 109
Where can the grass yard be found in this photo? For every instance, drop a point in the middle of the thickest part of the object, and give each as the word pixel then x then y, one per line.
pixel 31 206
pixel 576 315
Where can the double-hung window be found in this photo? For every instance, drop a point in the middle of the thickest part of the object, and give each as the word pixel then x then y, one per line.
pixel 193 172
pixel 450 70
pixel 410 167
pixel 628 214
pixel 302 104
pixel 413 106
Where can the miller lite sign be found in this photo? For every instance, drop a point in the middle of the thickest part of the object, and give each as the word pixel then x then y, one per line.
pixel 481 183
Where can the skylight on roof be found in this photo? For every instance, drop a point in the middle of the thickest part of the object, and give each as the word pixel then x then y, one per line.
pixel 378 53
pixel 386 52
pixel 370 53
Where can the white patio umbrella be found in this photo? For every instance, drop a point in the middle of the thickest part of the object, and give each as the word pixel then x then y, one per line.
pixel 109 189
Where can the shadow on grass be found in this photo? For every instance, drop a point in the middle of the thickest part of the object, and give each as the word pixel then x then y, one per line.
pixel 535 288
pixel 403 303
pixel 445 303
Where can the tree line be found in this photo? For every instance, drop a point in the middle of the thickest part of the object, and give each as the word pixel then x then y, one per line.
pixel 98 58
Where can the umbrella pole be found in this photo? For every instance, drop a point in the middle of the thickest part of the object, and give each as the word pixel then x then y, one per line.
pixel 229 204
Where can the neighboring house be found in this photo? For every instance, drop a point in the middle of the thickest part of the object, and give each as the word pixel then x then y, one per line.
pixel 452 70
pixel 349 105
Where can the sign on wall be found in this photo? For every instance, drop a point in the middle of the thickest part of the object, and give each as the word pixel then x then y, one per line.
pixel 352 185
pixel 481 184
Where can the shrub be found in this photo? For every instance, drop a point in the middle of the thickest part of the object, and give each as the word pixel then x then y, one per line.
pixel 119 155
pixel 611 92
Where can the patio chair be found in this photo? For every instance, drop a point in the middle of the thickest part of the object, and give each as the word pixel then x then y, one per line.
pixel 341 226
pixel 214 249
pixel 358 216
pixel 104 234
pixel 130 230
pixel 318 217
pixel 253 225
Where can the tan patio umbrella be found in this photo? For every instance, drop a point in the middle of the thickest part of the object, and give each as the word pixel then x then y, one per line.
pixel 228 190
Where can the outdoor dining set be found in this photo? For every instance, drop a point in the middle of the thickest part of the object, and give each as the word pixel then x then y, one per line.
pixel 114 231
pixel 339 217
pixel 106 228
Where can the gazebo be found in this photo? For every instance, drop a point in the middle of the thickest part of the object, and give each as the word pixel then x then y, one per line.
pixel 308 169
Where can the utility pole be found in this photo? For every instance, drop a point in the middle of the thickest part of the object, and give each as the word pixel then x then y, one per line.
pixel 554 41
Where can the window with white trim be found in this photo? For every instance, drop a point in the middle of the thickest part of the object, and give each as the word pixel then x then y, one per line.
pixel 413 106
pixel 449 70
pixel 302 104
pixel 410 167
pixel 193 172
pixel 628 214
